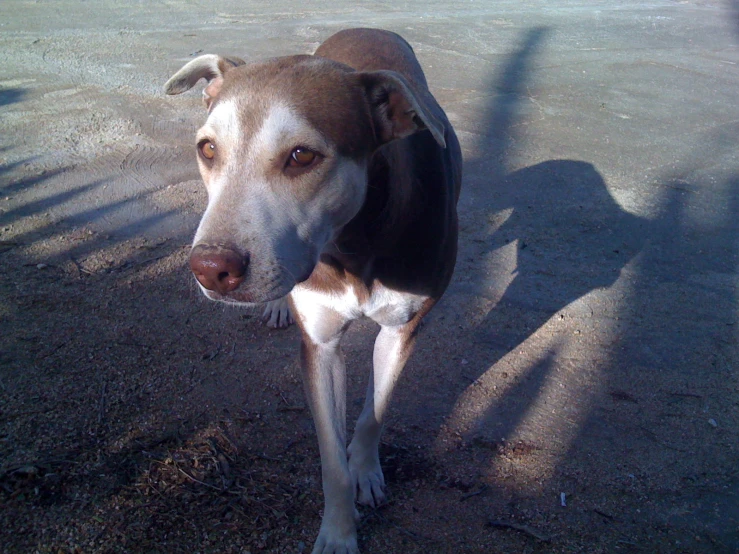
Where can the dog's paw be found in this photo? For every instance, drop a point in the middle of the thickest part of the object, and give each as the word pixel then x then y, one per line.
pixel 369 482
pixel 330 541
pixel 277 314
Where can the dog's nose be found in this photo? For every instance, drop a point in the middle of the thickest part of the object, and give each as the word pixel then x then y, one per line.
pixel 218 268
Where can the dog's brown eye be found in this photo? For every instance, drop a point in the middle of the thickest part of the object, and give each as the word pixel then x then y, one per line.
pixel 208 150
pixel 301 157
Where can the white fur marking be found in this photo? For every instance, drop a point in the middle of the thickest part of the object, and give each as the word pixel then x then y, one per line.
pixel 386 306
pixel 283 127
pixel 222 124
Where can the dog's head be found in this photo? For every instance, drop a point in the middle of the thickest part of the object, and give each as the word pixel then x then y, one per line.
pixel 284 154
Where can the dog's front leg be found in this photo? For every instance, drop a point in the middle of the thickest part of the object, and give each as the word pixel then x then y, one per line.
pixel 393 346
pixel 325 387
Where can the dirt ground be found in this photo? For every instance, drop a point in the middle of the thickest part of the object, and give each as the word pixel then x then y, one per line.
pixel 576 390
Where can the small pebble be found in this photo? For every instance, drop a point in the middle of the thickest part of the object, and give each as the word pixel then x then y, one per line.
pixel 713 422
pixel 42 266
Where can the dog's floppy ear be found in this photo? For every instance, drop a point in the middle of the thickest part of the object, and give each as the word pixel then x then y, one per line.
pixel 397 109
pixel 210 67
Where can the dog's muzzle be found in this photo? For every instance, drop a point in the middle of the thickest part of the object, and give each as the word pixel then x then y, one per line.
pixel 218 268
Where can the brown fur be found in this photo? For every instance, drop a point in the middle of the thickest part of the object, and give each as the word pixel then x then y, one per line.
pixel 410 181
pixel 322 91
pixel 387 245
pixel 406 233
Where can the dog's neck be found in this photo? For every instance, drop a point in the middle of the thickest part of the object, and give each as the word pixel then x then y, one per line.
pixel 390 206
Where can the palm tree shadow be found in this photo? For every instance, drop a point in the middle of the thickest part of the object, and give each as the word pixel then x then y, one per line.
pixel 555 221
pixel 570 238
pixel 535 243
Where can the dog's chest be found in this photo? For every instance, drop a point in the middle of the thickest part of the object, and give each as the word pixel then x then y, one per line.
pixel 383 305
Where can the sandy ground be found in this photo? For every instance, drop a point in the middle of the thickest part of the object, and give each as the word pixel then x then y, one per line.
pixel 587 346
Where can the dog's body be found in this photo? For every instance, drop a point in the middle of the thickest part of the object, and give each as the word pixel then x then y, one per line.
pixel 320 185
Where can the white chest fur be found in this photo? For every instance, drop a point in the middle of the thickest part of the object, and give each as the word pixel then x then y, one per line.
pixel 387 307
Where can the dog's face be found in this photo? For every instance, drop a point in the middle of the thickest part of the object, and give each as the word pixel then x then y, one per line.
pixel 283 155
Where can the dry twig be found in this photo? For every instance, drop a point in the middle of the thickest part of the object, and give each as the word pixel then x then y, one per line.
pixel 481 490
pixel 186 474
pixel 520 528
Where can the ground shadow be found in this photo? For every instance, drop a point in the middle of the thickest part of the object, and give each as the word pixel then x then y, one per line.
pixel 735 13
pixel 11 95
pixel 97 223
pixel 567 233
pixel 106 376
pixel 670 379
pixel 670 343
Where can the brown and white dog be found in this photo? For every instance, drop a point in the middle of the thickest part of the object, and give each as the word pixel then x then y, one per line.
pixel 333 180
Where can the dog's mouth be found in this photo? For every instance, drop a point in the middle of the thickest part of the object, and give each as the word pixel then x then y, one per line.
pixel 230 274
pixel 247 292
pixel 246 297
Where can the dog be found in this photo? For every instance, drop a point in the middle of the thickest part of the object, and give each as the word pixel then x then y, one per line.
pixel 332 181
